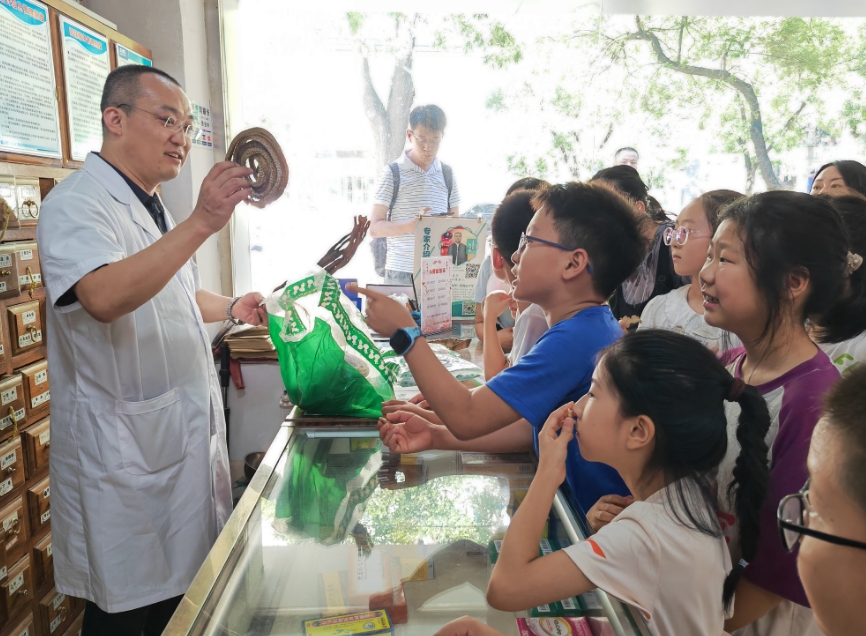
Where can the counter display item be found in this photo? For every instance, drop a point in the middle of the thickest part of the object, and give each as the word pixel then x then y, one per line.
pixel 335 535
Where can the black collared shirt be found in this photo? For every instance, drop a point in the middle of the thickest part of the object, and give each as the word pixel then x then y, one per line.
pixel 150 202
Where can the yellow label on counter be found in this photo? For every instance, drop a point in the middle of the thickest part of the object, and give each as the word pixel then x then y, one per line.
pixel 365 623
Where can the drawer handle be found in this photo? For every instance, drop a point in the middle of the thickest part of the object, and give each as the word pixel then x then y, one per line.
pixel 62 613
pixel 5 272
pixel 22 591
pixel 14 422
pixel 33 283
pixel 16 526
pixel 10 470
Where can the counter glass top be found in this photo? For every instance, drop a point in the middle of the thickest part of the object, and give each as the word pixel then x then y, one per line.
pixel 333 524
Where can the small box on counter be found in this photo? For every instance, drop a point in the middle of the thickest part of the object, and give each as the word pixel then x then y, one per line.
pixel 361 624
pixel 562 626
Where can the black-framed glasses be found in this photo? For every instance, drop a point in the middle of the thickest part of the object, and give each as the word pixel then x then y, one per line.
pixel 793 519
pixel 525 240
pixel 681 235
pixel 170 123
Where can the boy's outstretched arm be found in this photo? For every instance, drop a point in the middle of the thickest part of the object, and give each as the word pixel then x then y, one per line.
pixel 467 414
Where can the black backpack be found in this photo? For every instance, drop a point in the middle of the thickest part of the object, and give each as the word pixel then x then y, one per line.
pixel 379 246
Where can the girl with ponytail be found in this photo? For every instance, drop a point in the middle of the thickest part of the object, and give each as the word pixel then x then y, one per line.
pixel 655 412
pixel 775 260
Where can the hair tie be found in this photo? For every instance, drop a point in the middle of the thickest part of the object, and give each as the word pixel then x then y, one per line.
pixel 736 390
pixel 854 263
pixel 743 563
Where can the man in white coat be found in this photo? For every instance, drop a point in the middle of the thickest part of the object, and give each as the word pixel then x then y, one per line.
pixel 139 466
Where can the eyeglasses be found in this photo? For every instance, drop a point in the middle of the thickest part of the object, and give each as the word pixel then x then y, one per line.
pixel 525 240
pixel 793 519
pixel 427 143
pixel 681 235
pixel 189 131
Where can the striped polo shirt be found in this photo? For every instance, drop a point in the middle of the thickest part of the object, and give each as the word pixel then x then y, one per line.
pixel 418 190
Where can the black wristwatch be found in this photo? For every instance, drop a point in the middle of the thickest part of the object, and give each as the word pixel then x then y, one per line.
pixel 403 339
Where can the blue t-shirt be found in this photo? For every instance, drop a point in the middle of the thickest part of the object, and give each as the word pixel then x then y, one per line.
pixel 558 369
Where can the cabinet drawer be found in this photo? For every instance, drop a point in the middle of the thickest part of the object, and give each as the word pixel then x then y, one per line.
pixel 14 529
pixel 11 468
pixel 36 388
pixel 29 269
pixel 55 612
pixel 39 504
pixel 9 281
pixel 16 588
pixel 29 200
pixel 25 326
pixel 77 626
pixel 25 627
pixel 37 446
pixel 43 561
pixel 12 410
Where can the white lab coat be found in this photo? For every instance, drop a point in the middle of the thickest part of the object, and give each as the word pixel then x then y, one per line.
pixel 139 467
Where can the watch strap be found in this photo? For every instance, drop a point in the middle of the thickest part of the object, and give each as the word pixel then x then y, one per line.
pixel 229 308
pixel 413 333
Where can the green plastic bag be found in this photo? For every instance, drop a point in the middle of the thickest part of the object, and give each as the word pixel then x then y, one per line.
pixel 329 363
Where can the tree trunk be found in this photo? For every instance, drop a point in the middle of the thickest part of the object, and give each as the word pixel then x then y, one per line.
pixel 389 124
pixel 756 125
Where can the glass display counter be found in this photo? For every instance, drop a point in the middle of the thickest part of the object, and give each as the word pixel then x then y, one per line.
pixel 333 524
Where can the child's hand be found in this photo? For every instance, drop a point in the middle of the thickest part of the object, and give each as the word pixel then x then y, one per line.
pixel 419 400
pixel 384 315
pixel 553 442
pixel 606 509
pixel 466 626
pixel 396 406
pixel 405 432
pixel 495 303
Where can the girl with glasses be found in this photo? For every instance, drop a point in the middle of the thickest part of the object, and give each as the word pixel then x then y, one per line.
pixel 775 259
pixel 682 310
pixel 827 519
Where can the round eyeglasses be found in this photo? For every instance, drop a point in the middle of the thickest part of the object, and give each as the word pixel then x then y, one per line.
pixel 793 520
pixel 169 123
pixel 681 235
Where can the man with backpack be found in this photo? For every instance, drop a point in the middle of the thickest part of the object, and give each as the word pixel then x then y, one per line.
pixel 414 185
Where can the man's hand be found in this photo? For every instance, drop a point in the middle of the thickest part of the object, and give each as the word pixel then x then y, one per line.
pixel 606 509
pixel 553 442
pixel 221 190
pixel 384 315
pixel 495 303
pixel 248 309
pixel 405 432
pixel 467 626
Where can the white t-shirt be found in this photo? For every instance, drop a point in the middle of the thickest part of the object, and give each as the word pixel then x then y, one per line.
pixel 528 328
pixel 848 354
pixel 671 311
pixel 672 574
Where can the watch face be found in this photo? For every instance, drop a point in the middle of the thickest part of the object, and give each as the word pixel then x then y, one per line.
pixel 401 340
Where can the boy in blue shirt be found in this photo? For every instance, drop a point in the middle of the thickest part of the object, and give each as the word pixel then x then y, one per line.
pixel 582 243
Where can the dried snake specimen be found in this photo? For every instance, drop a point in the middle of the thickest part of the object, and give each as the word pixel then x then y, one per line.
pixel 257 149
pixel 343 250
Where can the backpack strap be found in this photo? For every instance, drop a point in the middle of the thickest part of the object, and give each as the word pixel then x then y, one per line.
pixel 395 177
pixel 449 183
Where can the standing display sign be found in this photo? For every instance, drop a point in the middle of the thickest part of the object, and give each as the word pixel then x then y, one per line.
pixel 435 294
pixel 127 56
pixel 29 120
pixel 86 65
pixel 462 240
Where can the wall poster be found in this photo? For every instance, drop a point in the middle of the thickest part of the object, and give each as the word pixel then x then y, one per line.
pixel 127 56
pixel 29 119
pixel 86 65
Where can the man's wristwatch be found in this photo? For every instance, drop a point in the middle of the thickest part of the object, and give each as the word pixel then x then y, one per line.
pixel 229 311
pixel 403 339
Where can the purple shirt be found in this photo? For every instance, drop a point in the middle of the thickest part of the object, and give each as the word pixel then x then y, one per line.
pixel 794 400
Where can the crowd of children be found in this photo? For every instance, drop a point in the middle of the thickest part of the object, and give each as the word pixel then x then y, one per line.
pixel 690 440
